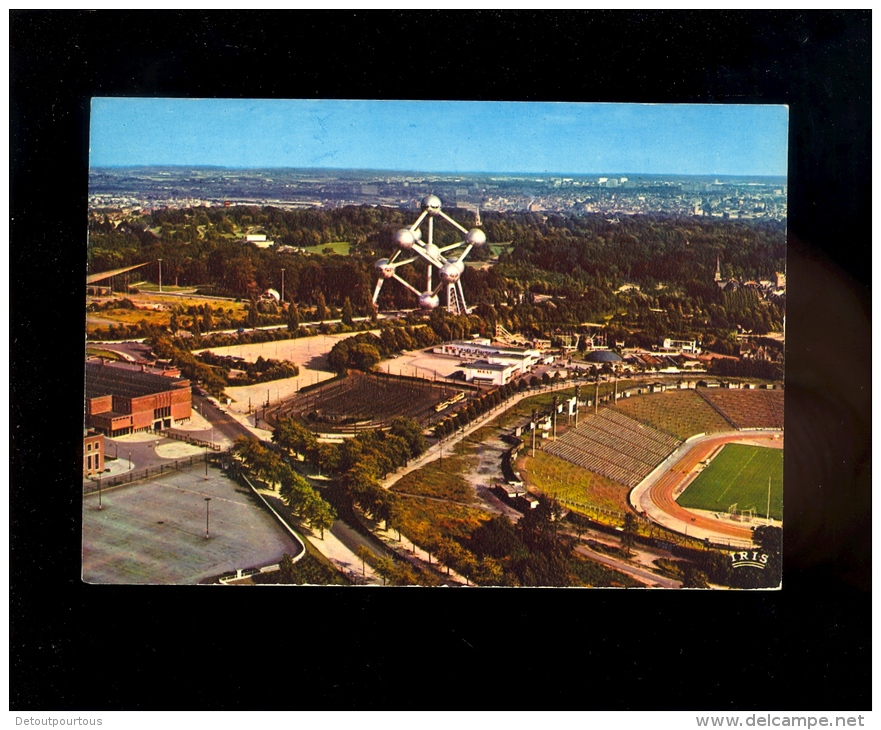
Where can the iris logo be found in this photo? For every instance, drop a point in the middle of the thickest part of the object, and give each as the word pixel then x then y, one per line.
pixel 749 558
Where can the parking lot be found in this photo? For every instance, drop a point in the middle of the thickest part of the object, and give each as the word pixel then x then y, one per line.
pixel 422 364
pixel 154 531
pixel 307 353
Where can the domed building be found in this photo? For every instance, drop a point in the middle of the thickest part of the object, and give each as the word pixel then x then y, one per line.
pixel 603 356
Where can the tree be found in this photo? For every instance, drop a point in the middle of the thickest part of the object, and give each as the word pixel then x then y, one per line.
pixel 253 317
pixel 448 552
pixel 383 506
pixel 294 490
pixel 694 578
pixel 318 513
pixel 364 553
pixel 348 313
pixel 385 566
pixel 325 457
pixel 489 573
pixel 628 536
pixel 411 432
pixel 292 436
pixel 770 542
pixel 288 569
pixel 321 307
pixel 363 356
pixel 293 318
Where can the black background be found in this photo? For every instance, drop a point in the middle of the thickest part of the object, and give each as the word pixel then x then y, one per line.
pixel 83 647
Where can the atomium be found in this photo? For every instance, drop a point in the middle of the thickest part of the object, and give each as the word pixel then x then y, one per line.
pixel 449 269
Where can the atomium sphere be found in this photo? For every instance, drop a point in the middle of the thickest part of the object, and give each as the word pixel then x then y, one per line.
pixel 405 239
pixel 475 237
pixel 428 300
pixel 432 204
pixel 450 273
pixel 417 234
pixel 432 250
pixel 384 269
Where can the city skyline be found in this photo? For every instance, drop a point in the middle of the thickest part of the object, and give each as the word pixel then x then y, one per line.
pixel 444 137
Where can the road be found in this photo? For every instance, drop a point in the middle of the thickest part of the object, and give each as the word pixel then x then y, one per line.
pixel 353 539
pixel 223 422
pixel 446 444
pixel 641 563
pixel 640 574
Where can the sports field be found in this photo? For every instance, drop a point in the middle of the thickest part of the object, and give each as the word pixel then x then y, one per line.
pixel 739 473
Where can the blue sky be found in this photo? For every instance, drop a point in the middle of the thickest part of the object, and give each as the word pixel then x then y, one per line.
pixel 442 136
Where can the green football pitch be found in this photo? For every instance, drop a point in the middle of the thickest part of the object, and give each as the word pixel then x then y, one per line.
pixel 739 474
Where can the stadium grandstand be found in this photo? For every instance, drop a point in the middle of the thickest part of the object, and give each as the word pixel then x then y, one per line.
pixel 747 409
pixel 615 446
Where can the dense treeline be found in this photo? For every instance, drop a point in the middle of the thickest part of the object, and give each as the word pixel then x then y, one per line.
pixel 214 371
pixel 268 466
pixel 535 551
pixel 747 369
pixel 643 249
pixel 199 244
pixel 358 463
pixel 260 371
pixel 364 351
pixel 646 276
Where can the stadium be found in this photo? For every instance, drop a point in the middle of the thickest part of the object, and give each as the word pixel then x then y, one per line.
pixel 704 463
pixel 367 400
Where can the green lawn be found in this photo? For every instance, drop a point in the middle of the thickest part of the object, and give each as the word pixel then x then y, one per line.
pixel 498 249
pixel 148 286
pixel 98 352
pixel 566 481
pixel 442 480
pixel 739 474
pixel 338 247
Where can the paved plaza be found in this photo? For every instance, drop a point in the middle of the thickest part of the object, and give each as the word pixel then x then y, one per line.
pixel 154 531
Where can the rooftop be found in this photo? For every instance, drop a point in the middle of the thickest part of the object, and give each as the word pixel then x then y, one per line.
pixel 603 356
pixel 484 365
pixel 104 380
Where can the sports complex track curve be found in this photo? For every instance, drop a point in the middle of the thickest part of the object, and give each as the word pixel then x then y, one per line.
pixel 655 495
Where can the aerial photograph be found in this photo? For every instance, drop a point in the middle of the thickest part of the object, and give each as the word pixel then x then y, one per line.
pixel 434 344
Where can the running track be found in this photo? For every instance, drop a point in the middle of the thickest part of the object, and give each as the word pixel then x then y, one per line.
pixel 659 496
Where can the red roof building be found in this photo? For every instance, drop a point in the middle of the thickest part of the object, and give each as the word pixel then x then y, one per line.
pixel 121 401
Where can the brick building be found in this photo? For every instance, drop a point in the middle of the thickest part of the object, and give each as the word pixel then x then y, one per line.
pixel 120 401
pixel 93 453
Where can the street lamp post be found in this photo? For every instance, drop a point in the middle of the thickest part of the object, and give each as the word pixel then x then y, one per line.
pixel 160 276
pixel 282 286
pixel 207 501
pixel 100 504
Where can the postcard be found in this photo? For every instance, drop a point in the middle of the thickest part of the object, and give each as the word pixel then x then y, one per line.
pixel 466 344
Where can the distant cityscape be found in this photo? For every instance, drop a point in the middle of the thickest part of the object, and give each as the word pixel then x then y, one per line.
pixel 724 197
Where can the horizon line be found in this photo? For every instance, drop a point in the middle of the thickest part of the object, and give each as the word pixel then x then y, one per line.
pixel 432 172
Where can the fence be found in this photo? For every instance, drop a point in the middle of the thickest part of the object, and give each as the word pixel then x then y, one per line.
pixel 141 474
pixel 591 509
pixel 178 436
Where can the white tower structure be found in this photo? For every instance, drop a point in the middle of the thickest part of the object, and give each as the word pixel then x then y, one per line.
pixel 450 270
